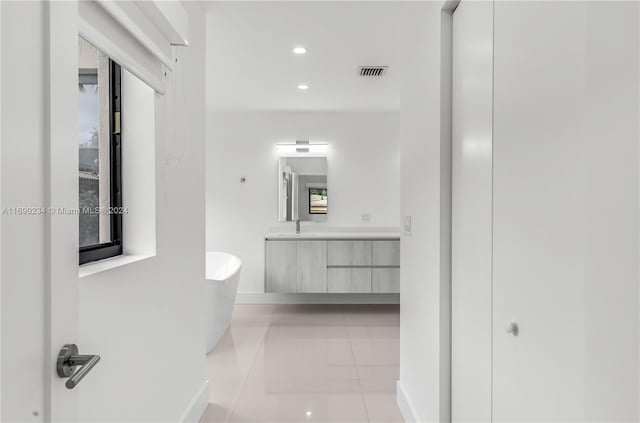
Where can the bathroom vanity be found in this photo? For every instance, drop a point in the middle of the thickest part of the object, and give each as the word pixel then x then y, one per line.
pixel 332 263
pixel 323 262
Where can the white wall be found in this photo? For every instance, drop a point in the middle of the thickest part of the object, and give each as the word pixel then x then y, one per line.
pixel 363 176
pixel 139 168
pixel 145 318
pixel 423 388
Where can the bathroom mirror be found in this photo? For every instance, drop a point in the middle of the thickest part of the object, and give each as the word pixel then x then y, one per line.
pixel 302 189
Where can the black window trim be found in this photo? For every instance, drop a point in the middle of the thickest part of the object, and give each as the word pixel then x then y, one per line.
pixel 96 252
pixel 309 197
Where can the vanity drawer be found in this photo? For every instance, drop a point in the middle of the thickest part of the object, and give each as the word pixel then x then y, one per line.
pixel 385 281
pixel 349 280
pixel 349 253
pixel 386 278
pixel 386 253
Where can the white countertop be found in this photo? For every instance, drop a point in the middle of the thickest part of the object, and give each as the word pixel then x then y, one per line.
pixel 333 235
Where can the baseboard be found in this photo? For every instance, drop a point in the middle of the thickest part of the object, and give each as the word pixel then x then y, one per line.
pixel 404 404
pixel 273 298
pixel 197 406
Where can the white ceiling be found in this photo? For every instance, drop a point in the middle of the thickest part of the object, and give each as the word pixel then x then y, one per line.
pixel 250 64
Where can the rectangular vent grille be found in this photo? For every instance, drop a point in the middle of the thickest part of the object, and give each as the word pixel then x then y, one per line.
pixel 373 70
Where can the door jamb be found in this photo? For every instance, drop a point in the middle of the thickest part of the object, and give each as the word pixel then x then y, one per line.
pixel 446 128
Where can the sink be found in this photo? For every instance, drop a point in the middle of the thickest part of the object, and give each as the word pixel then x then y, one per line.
pixel 334 235
pixel 294 235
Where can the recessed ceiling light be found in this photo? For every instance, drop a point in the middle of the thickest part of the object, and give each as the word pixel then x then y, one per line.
pixel 303 87
pixel 300 50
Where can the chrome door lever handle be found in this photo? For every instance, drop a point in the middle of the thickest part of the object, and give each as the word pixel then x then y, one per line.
pixel 511 327
pixel 69 359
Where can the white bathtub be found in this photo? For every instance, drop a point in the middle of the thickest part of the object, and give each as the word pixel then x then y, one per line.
pixel 223 274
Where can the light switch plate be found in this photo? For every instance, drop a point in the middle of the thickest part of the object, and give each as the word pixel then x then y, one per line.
pixel 366 217
pixel 407 225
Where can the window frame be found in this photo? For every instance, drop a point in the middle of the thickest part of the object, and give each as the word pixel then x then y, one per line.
pixel 113 248
pixel 309 199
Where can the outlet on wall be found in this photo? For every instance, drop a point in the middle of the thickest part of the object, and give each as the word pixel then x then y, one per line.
pixel 366 217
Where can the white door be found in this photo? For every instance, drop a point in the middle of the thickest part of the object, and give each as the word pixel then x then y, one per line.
pixel 565 206
pixel 38 251
pixel 471 221
pixel 563 187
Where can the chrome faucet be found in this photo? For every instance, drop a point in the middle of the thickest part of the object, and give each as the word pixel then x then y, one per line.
pixel 297 226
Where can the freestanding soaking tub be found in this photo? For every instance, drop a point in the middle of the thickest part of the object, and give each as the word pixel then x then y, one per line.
pixel 223 274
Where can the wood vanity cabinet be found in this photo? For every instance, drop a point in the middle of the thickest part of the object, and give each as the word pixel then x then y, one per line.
pixel 332 266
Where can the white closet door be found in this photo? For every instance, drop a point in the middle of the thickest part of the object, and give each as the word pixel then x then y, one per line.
pixel 471 220
pixel 566 211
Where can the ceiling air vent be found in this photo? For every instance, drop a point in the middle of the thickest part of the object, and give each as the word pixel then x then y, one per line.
pixel 373 70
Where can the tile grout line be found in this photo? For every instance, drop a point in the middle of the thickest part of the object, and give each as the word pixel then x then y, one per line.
pixel 246 378
pixel 355 364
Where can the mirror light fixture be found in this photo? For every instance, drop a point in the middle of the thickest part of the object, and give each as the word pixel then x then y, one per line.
pixel 299 50
pixel 302 147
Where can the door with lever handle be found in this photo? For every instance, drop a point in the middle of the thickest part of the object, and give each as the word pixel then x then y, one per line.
pixel 69 359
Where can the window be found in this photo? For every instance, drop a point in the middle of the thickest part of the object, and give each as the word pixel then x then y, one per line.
pixel 317 201
pixel 100 199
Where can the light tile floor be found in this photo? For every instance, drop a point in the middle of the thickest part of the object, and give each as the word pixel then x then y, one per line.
pixel 306 363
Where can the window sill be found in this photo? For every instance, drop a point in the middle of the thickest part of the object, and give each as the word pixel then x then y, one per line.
pixel 110 263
